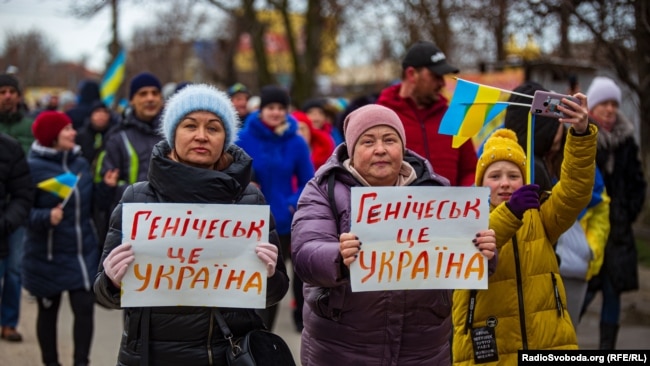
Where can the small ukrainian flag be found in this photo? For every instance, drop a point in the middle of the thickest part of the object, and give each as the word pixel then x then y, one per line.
pixel 61 185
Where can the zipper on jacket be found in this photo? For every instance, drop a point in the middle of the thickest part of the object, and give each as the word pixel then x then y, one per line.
pixel 423 127
pixel 520 295
pixel 210 329
pixel 558 299
pixel 77 225
pixel 50 247
pixel 80 240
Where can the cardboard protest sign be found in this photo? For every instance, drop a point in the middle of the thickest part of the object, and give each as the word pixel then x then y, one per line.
pixel 195 255
pixel 418 238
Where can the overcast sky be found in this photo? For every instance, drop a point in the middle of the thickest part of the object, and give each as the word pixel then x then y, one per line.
pixel 72 38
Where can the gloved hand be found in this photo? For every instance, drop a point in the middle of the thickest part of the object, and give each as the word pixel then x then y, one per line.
pixel 524 198
pixel 117 262
pixel 268 254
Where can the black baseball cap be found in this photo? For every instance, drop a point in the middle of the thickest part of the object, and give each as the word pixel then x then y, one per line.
pixel 428 54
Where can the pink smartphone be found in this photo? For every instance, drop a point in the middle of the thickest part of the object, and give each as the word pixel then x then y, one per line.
pixel 545 104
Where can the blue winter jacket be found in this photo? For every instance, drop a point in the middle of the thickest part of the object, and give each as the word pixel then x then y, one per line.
pixel 62 257
pixel 277 159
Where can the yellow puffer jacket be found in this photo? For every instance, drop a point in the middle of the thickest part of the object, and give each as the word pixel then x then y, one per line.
pixel 525 303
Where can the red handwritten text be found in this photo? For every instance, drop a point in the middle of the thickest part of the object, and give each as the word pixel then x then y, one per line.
pixel 172 226
pixel 407 238
pixel 192 258
pixel 414 210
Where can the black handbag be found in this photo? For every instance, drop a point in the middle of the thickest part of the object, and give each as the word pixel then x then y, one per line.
pixel 257 348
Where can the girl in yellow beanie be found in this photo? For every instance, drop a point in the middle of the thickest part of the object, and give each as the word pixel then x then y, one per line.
pixel 524 306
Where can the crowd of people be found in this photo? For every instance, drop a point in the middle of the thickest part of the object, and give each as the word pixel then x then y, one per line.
pixel 551 243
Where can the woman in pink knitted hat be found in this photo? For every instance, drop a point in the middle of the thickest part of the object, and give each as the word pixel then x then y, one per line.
pixel 399 327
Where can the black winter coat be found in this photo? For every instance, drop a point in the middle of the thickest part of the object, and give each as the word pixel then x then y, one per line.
pixel 618 160
pixel 185 335
pixel 16 190
pixel 128 147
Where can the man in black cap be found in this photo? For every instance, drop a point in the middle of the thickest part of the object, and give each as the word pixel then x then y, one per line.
pixel 15 201
pixel 418 102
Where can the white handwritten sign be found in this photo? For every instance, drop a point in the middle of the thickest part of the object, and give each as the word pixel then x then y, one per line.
pixel 418 238
pixel 195 255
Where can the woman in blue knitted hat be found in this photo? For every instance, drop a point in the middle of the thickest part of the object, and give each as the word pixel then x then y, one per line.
pixel 196 162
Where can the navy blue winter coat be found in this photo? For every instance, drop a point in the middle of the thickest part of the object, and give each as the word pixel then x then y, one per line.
pixel 63 257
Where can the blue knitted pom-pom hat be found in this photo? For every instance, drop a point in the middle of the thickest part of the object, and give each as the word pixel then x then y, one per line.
pixel 199 97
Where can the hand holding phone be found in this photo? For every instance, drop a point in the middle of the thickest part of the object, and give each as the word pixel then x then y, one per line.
pixel 545 104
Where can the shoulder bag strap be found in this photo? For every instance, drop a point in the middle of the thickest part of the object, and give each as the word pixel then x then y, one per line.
pixel 144 331
pixel 227 334
pixel 335 301
pixel 331 182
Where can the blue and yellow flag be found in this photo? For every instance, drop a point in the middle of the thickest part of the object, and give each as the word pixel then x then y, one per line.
pixel 471 107
pixel 61 185
pixel 113 79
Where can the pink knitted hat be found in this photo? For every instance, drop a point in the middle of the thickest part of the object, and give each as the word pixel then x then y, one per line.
pixel 366 117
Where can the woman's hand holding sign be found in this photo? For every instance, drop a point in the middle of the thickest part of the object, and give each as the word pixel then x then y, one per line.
pixel 268 254
pixel 117 262
pixel 486 242
pixel 349 247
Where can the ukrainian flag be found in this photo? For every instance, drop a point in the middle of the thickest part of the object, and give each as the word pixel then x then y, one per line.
pixel 471 107
pixel 113 79
pixel 61 185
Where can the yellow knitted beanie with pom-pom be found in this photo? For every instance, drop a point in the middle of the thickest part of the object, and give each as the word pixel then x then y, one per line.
pixel 501 145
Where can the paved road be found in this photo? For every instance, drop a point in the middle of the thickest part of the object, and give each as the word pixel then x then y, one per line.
pixel 634 334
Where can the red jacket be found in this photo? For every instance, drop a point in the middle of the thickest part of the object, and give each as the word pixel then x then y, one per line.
pixel 421 128
pixel 322 143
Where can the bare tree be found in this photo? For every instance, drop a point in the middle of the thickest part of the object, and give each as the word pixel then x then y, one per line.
pixel 31 51
pixel 243 14
pixel 90 8
pixel 167 46
pixel 620 30
pixel 306 45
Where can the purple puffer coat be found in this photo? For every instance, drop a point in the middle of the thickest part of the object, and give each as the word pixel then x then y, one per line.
pixel 364 328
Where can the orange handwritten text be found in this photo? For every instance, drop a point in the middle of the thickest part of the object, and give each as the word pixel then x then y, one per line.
pixel 154 277
pixel 389 266
pixel 414 210
pixel 172 226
